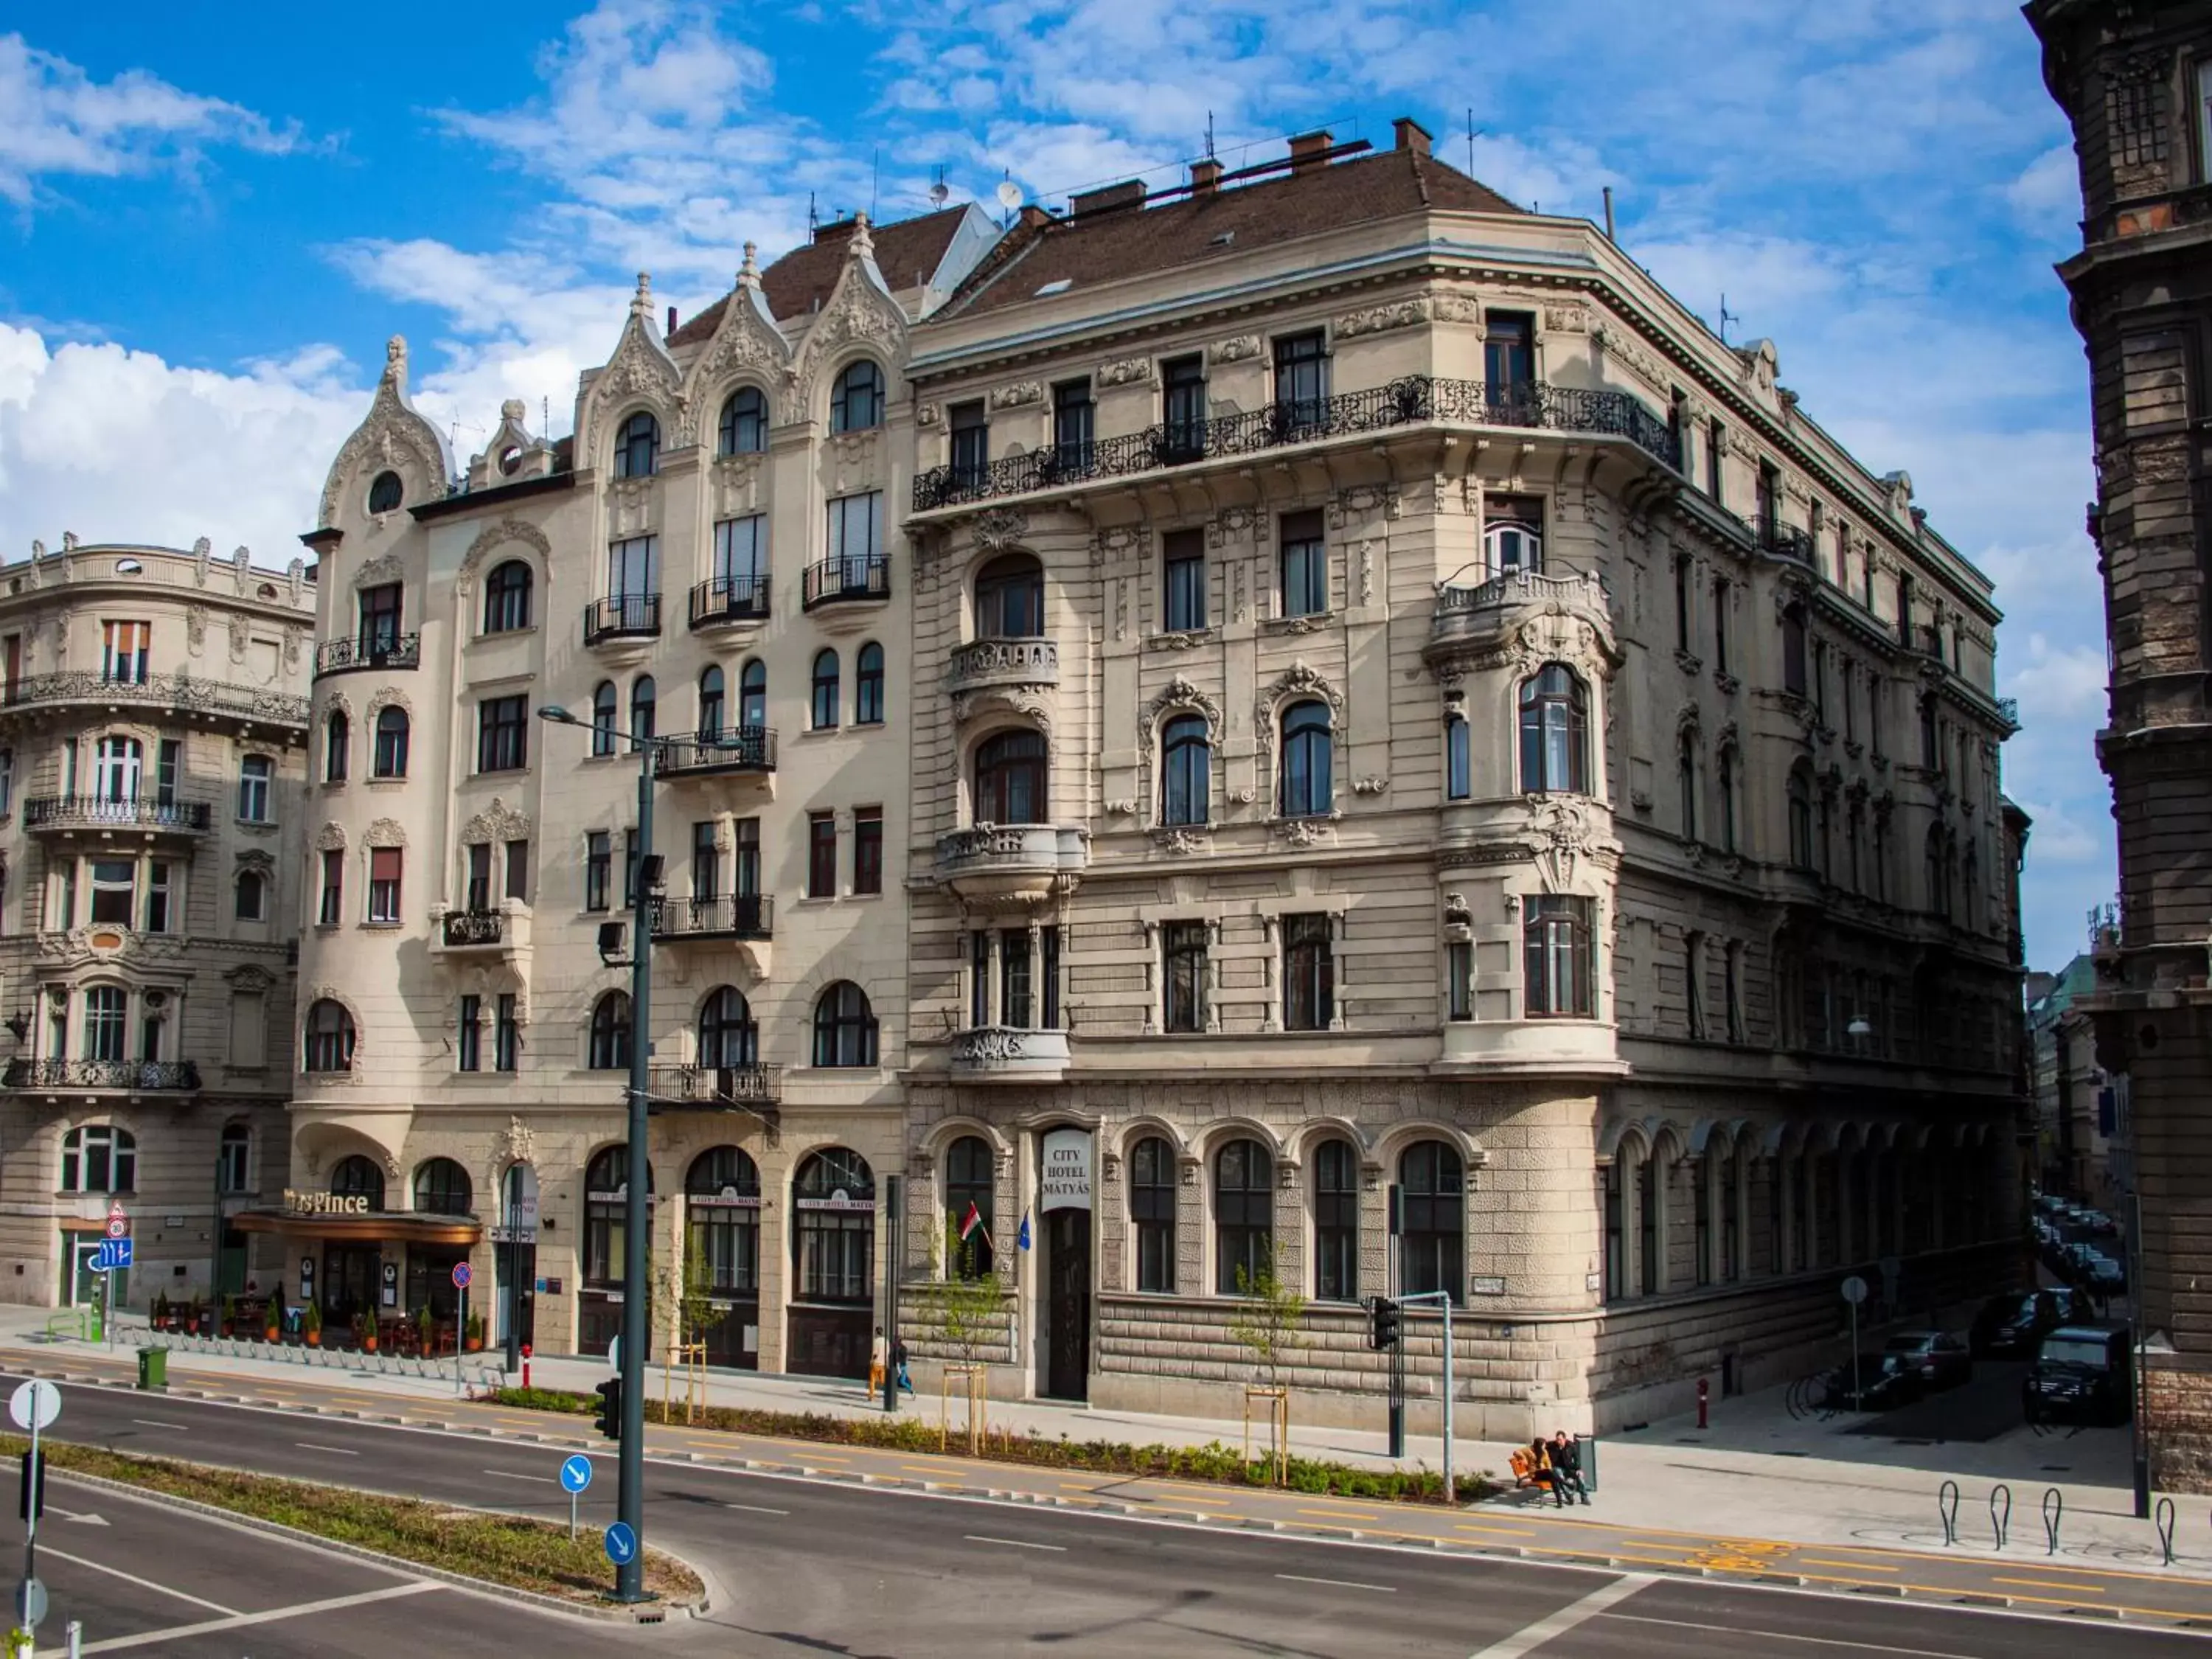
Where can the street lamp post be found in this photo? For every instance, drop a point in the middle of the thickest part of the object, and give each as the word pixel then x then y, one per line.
pixel 629 1497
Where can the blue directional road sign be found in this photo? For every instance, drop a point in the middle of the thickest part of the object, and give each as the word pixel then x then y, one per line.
pixel 622 1543
pixel 576 1473
pixel 111 1254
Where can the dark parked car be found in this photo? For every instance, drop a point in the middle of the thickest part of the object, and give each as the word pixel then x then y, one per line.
pixel 2081 1374
pixel 1944 1360
pixel 2107 1273
pixel 2009 1326
pixel 1878 1381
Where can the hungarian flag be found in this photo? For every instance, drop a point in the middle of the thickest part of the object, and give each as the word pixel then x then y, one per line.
pixel 971 1223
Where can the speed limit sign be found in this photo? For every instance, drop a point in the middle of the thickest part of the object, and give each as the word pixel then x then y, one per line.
pixel 118 1225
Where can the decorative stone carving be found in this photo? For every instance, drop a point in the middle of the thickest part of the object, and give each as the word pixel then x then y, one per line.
pixel 1452 306
pixel 1180 693
pixel 392 435
pixel 497 822
pixel 999 528
pixel 384 832
pixel 1118 539
pixel 1370 786
pixel 377 572
pixel 240 636
pixel 203 556
pixel 249 977
pixel 1409 312
pixel 1235 349
pixel 1015 395
pixel 1182 841
pixel 1567 319
pixel 746 344
pixel 330 838
pixel 1129 371
pixel 640 368
pixel 1565 838
pixel 1238 521
pixel 498 535
pixel 1624 348
pixel 196 622
pixel 1306 832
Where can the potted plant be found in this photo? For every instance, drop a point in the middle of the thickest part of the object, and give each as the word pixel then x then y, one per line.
pixel 422 1324
pixel 476 1333
pixel 272 1318
pixel 367 1323
pixel 229 1323
pixel 157 1315
pixel 311 1323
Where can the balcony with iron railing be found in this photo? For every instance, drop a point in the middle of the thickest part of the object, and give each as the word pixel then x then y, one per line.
pixel 621 616
pixel 726 599
pixel 1787 541
pixel 847 579
pixel 1413 400
pixel 86 688
pixel 734 750
pixel 752 1089
pixel 69 814
pixel 369 651
pixel 474 930
pixel 723 916
pixel 1002 662
pixel 107 1076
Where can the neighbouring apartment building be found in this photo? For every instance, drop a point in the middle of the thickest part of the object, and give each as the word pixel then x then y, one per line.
pixel 2077 1104
pixel 153 720
pixel 2135 82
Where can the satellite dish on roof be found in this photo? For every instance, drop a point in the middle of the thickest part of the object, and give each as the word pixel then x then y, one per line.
pixel 1009 194
pixel 939 191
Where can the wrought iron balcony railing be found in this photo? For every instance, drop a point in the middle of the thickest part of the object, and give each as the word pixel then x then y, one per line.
pixel 729 599
pixel 623 617
pixel 703 754
pixel 465 928
pixel 1414 400
pixel 97 813
pixel 86 685
pixel 845 578
pixel 1787 541
pixel 750 1085
pixel 174 1076
pixel 369 651
pixel 727 916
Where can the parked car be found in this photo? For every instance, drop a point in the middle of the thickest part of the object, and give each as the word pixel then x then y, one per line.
pixel 2081 1374
pixel 2106 1272
pixel 1876 1383
pixel 2009 1326
pixel 1944 1360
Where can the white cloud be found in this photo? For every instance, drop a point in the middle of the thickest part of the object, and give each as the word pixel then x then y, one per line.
pixel 2047 193
pixel 2062 683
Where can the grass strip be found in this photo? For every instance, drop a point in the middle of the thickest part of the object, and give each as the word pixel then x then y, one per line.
pixel 514 1550
pixel 1213 1462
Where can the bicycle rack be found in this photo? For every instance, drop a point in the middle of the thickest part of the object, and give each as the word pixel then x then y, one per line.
pixel 2054 1511
pixel 2163 1519
pixel 2000 1519
pixel 1946 1510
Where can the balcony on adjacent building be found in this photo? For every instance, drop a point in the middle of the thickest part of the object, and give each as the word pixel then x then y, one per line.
pixel 1008 1054
pixel 98 815
pixel 846 579
pixel 1002 662
pixel 1413 400
pixel 180 694
pixel 482 929
pixel 737 749
pixel 102 1076
pixel 621 616
pixel 1012 864
pixel 726 599
pixel 369 651
pixel 725 916
pixel 474 930
pixel 1471 617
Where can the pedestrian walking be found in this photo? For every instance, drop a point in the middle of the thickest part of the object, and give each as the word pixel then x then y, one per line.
pixel 1567 1465
pixel 898 1364
pixel 878 1354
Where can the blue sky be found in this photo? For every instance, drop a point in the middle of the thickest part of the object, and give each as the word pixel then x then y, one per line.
pixel 207 232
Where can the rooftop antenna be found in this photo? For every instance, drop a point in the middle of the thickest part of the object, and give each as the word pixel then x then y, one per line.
pixel 1728 317
pixel 1470 141
pixel 813 216
pixel 1209 135
pixel 938 189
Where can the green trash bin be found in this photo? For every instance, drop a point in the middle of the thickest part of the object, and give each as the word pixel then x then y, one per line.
pixel 154 1369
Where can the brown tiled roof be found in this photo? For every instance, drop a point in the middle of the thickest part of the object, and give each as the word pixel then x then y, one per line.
pixel 803 278
pixel 1134 242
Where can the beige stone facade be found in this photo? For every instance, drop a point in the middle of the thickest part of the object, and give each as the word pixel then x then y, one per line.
pixel 153 722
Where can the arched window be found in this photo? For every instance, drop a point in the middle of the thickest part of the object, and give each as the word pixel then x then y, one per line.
pixel 603 718
pixel 442 1187
pixel 1244 1217
pixel 100 1159
pixel 752 696
pixel 722 1195
pixel 234 1159
pixel 1010 778
pixel 1512 546
pixel 868 685
pixel 251 893
pixel 385 493
pixel 391 757
pixel 744 427
pixel 1336 1222
pixel 606 1215
pixel 1554 732
pixel 833 1237
pixel 1686 781
pixel 1793 649
pixel 1432 1250
pixel 611 1036
pixel 728 1039
pixel 357 1177
pixel 1152 1212
pixel 710 701
pixel 1186 771
pixel 844 1027
pixel 338 739
pixel 969 1171
pixel 1459 759
pixel 1306 791
pixel 1799 789
pixel 824 709
pixel 254 772
pixel 1010 598
pixel 507 597
pixel 637 447
pixel 641 700
pixel 106 1017
pixel 856 401
pixel 329 1037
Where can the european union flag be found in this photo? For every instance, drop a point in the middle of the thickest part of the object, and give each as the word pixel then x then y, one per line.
pixel 1023 1237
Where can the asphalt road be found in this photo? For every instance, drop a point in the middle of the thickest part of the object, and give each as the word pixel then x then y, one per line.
pixel 807 1568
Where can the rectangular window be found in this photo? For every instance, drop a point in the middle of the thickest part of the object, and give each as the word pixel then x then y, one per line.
pixel 706 862
pixel 114 892
pixel 1732 990
pixel 1048 976
pixel 1819 687
pixel 1616 1243
pixel 517 870
pixel 380 620
pixel 856 528
pixel 1183 976
pixel 748 872
pixel 1719 626
pixel 1183 406
pixel 331 911
pixel 979 978
pixel 1848 688
pixel 468 1037
pixel 1304 565
pixel 1693 996
pixel 384 883
pixel 476 896
pixel 1308 973
pixel 1459 759
pixel 1459 980
pixel 1701 1222
pixel 1182 596
pixel 971 442
pixel 1556 958
pixel 821 855
pixel 503 733
pixel 1016 990
pixel 868 849
pixel 1684 621
pixel 123 651
pixel 1508 355
pixel 1071 413
pixel 598 868
pixel 1151 1212
pixel 634 567
pixel 1876 715
pixel 1302 380
pixel 507 1039
pixel 158 913
pixel 1715 447
pixel 168 766
pixel 740 555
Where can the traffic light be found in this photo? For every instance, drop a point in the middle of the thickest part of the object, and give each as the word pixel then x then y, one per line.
pixel 33 1502
pixel 610 1408
pixel 1381 1322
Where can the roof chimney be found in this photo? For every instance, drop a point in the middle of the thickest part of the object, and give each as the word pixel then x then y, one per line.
pixel 1033 217
pixel 1204 177
pixel 1412 135
pixel 1310 150
pixel 671 319
pixel 1130 192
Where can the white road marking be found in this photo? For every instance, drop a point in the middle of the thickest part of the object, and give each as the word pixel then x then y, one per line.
pixel 1858 1644
pixel 1336 1583
pixel 1016 1543
pixel 508 1474
pixel 309 1445
pixel 1529 1637
pixel 155 1423
pixel 755 1509
pixel 240 1620
pixel 143 1584
pixel 81 1517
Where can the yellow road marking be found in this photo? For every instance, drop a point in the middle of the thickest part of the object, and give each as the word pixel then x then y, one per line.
pixel 1503 1532
pixel 1860 1566
pixel 2052 1583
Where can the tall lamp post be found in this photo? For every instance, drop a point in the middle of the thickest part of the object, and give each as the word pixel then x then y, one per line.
pixel 629 1498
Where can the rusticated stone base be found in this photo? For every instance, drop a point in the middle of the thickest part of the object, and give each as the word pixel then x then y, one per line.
pixel 2177 1413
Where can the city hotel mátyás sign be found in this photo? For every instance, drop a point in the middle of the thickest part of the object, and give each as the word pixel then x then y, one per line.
pixel 299 1203
pixel 1067 1184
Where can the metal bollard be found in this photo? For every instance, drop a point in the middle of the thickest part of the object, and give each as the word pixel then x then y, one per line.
pixel 2001 1520
pixel 75 1639
pixel 2054 1511
pixel 1946 1510
pixel 2164 1520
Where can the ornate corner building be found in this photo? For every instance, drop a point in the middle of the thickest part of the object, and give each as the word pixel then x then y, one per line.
pixel 153 720
pixel 2136 81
